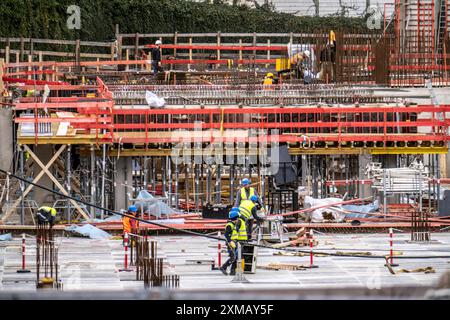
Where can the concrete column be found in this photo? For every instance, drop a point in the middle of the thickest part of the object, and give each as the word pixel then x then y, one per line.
pixel 6 139
pixel 123 178
pixel 364 190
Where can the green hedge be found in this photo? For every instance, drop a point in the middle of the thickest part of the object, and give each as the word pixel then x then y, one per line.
pixel 47 18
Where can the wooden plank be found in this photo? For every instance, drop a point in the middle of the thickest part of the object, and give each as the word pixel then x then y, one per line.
pixel 57 183
pixel 28 189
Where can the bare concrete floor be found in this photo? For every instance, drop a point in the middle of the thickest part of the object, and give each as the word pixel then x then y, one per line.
pixel 94 264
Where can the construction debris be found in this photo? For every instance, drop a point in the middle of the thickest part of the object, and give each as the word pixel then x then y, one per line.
pixel 280 266
pixel 301 238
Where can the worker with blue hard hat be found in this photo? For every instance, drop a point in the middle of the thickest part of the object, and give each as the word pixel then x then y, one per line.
pixel 130 224
pixel 245 192
pixel 248 210
pixel 235 231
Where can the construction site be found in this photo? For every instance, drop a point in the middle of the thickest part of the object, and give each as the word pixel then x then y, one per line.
pixel 341 135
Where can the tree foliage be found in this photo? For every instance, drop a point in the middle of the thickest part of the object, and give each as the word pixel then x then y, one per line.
pixel 47 18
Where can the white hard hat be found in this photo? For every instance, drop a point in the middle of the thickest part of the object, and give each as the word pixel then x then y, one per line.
pixel 158 42
pixel 307 53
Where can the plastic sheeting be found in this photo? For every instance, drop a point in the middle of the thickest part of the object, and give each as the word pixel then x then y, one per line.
pixel 367 208
pixel 88 231
pixel 153 100
pixel 153 206
pixel 6 237
pixel 324 214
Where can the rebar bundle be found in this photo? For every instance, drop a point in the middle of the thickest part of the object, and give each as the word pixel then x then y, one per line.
pixel 285 94
pixel 46 256
pixel 149 268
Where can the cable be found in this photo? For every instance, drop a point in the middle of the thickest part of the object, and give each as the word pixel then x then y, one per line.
pixel 207 235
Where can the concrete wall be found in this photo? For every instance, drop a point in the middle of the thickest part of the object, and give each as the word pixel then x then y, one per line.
pixel 6 139
pixel 6 131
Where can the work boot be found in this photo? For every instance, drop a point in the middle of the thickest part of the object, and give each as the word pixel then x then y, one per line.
pixel 224 270
pixel 233 273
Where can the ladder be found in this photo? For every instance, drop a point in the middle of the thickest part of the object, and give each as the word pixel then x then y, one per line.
pixel 443 25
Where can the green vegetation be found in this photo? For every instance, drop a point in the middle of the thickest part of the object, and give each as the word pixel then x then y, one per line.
pixel 47 18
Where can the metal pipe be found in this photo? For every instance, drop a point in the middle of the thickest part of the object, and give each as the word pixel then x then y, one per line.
pixel 69 181
pixel 22 187
pixel 177 173
pixel 92 181
pixel 170 182
pixel 103 181
pixel 218 183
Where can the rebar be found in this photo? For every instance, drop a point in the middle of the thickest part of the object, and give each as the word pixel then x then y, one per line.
pixel 46 255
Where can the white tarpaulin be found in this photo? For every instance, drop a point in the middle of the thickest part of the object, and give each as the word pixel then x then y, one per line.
pixel 153 100
pixel 320 215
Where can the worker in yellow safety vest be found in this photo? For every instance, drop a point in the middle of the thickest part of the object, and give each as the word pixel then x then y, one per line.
pixel 248 210
pixel 235 231
pixel 245 192
pixel 46 215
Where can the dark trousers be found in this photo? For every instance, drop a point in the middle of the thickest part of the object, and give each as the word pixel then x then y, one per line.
pixel 155 67
pixel 232 254
pixel 249 226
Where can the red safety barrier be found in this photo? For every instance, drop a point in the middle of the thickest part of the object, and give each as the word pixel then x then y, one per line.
pixel 32 82
pixel 311 252
pixel 24 269
pixel 125 244
pixel 219 47
pixel 391 248
pixel 219 249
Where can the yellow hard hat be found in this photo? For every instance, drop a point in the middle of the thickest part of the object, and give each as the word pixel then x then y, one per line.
pixel 270 75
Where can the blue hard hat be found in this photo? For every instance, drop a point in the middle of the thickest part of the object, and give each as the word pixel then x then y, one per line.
pixel 254 198
pixel 132 209
pixel 235 209
pixel 245 182
pixel 233 215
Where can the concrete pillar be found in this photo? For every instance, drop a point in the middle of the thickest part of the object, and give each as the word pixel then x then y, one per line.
pixel 364 189
pixel 6 139
pixel 124 180
pixel 6 130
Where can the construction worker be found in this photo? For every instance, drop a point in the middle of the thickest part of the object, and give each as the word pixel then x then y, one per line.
pixel 268 80
pixel 248 210
pixel 235 231
pixel 46 215
pixel 156 57
pixel 245 192
pixel 129 224
pixel 300 62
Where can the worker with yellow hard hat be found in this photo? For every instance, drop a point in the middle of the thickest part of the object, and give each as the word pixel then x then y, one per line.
pixel 46 215
pixel 268 80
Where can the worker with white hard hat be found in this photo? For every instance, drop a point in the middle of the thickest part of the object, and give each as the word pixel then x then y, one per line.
pixel 156 57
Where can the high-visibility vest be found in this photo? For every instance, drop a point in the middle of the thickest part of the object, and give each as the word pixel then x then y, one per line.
pixel 245 209
pixel 244 194
pixel 242 232
pixel 238 235
pixel 50 210
pixel 126 221
pixel 268 81
pixel 234 234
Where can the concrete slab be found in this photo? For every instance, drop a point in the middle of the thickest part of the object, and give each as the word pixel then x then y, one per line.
pixel 94 264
